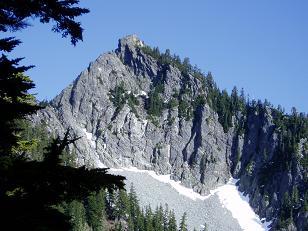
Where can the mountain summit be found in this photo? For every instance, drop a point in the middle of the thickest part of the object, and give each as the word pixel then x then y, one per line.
pixel 138 107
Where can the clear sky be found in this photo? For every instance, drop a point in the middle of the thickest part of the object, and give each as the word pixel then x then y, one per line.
pixel 260 45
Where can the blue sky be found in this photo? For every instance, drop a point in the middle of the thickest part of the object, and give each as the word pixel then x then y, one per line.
pixel 259 45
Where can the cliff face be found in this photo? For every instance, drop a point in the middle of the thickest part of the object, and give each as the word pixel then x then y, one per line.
pixel 271 181
pixel 111 106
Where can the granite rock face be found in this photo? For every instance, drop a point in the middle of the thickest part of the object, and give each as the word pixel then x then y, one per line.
pixel 125 138
pixel 195 151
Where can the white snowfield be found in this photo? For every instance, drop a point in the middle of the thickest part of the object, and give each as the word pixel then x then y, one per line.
pixel 90 137
pixel 228 195
pixel 238 205
pixel 99 164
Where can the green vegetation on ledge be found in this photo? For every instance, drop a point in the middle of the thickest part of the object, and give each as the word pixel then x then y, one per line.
pixel 119 97
pixel 224 105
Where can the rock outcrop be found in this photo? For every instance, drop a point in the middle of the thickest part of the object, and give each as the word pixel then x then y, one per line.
pixel 106 106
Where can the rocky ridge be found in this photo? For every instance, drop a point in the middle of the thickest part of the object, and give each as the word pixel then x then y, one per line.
pixel 106 106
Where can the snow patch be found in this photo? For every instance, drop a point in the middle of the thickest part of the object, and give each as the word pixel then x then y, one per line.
pixel 188 192
pixel 99 69
pixel 228 194
pixel 90 137
pixel 238 205
pixel 140 43
pixel 144 122
pixel 143 93
pixel 99 164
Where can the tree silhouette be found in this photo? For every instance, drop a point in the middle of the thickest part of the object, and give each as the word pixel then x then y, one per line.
pixel 30 190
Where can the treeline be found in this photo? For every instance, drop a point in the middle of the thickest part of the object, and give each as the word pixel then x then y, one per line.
pixel 31 187
pixel 292 133
pixel 127 212
pixel 119 210
pixel 225 105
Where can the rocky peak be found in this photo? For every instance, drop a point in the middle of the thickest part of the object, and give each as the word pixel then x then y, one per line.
pixel 127 46
pixel 129 41
pixel 130 54
pixel 134 110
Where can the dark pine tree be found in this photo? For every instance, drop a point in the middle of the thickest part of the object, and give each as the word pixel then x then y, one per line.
pixel 96 216
pixel 172 226
pixel 77 212
pixel 30 190
pixel 183 225
pixel 158 219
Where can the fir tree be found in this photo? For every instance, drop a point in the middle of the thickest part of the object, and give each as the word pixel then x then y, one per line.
pixel 118 226
pixel 134 209
pixel 183 226
pixel 131 224
pixel 76 211
pixel 158 220
pixel 30 190
pixel 166 217
pixel 205 227
pixel 96 211
pixel 148 221
pixel 121 205
pixel 172 226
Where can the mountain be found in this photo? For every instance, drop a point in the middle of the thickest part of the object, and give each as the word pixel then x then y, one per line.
pixel 138 107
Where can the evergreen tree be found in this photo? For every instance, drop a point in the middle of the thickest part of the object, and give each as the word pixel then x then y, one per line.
pixel 118 97
pixel 131 224
pixel 96 211
pixel 205 228
pixel 155 103
pixel 186 65
pixel 234 99
pixel 30 190
pixel 118 226
pixel 134 209
pixel 148 221
pixel 183 226
pixel 166 217
pixel 121 205
pixel 295 195
pixel 133 201
pixel 14 96
pixel 172 226
pixel 140 221
pixel 76 211
pixel 286 211
pixel 158 220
